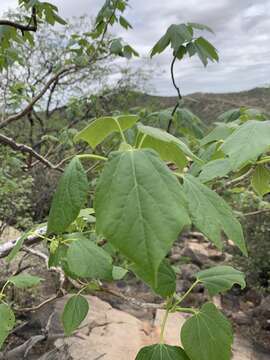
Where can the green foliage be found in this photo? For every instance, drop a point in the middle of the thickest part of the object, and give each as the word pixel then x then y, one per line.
pixel 247 143
pixel 182 40
pixel 85 259
pixel 207 334
pixel 100 128
pixel 24 281
pixel 74 313
pixel 162 352
pixel 132 184
pixel 220 278
pixel 7 321
pixel 69 198
pixel 261 180
pixel 211 214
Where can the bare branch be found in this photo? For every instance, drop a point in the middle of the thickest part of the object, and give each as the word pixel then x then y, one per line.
pixel 23 27
pixel 28 150
pixel 29 107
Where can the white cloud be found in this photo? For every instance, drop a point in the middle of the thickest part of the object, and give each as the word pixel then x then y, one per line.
pixel 242 38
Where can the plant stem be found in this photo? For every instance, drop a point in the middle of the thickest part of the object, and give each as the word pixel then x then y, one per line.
pixel 120 130
pixel 178 93
pixel 182 298
pixel 186 310
pixel 92 156
pixel 161 339
pixel 3 289
pixel 264 160
pixel 142 140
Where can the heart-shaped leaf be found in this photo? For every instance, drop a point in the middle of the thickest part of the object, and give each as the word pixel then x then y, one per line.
pixel 207 335
pixel 23 281
pixel 75 311
pixel 221 278
pixel 162 352
pixel 140 207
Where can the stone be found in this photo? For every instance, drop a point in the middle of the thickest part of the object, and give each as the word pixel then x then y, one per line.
pixel 196 252
pixel 188 271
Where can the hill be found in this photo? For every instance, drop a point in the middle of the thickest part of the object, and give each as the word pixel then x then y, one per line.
pixel 208 105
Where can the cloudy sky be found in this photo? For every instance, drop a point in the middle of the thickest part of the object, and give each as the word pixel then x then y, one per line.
pixel 242 37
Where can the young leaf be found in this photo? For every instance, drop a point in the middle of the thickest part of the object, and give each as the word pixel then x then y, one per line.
pixel 205 50
pixel 211 214
pixel 221 278
pixel 69 198
pixel 215 169
pixel 7 322
pixel 162 138
pixel 166 279
pixel 200 27
pixel 87 260
pixel 23 281
pixel 102 127
pixel 17 247
pixel 118 273
pixel 162 352
pixel 75 311
pixel 261 180
pixel 247 143
pixel 176 35
pixel 140 207
pixel 207 335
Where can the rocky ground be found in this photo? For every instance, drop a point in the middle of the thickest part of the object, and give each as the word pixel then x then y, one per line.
pixel 116 329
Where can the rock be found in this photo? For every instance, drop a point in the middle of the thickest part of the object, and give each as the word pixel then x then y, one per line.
pixel 196 252
pixel 188 271
pixel 242 318
pixel 110 334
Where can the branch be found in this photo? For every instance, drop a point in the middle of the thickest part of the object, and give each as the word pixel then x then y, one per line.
pixel 29 107
pixel 28 150
pixel 22 27
pixel 178 93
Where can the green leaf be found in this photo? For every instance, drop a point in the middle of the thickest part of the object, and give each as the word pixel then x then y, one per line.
pixel 18 246
pixel 168 146
pixel 75 311
pixel 69 198
pixel 211 214
pixel 200 27
pixel 162 352
pixel 102 127
pixel 176 35
pixel 247 143
pixel 205 50
pixel 221 132
pixel 215 169
pixel 140 207
pixel 87 260
pixel 124 23
pixel 207 335
pixel 166 279
pixel 261 180
pixel 23 281
pixel 118 273
pixel 116 47
pixel 221 278
pixel 7 322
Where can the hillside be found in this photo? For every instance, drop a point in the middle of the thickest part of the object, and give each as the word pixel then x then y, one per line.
pixel 208 105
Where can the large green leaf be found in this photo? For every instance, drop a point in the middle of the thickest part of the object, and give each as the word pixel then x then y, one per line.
pixel 166 279
pixel 87 260
pixel 23 281
pixel 100 128
pixel 207 335
pixel 74 313
pixel 211 214
pixel 140 207
pixel 215 169
pixel 162 352
pixel 261 180
pixel 247 143
pixel 7 322
pixel 221 278
pixel 69 198
pixel 221 132
pixel 166 144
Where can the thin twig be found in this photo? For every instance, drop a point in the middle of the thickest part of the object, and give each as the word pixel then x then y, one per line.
pixel 23 27
pixel 178 93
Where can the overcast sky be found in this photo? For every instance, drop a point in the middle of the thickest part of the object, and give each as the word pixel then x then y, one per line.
pixel 242 37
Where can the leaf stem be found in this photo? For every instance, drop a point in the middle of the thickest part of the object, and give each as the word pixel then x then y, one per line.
pixel 264 160
pixel 120 130
pixel 182 298
pixel 186 310
pixel 161 339
pixel 142 140
pixel 92 156
pixel 3 289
